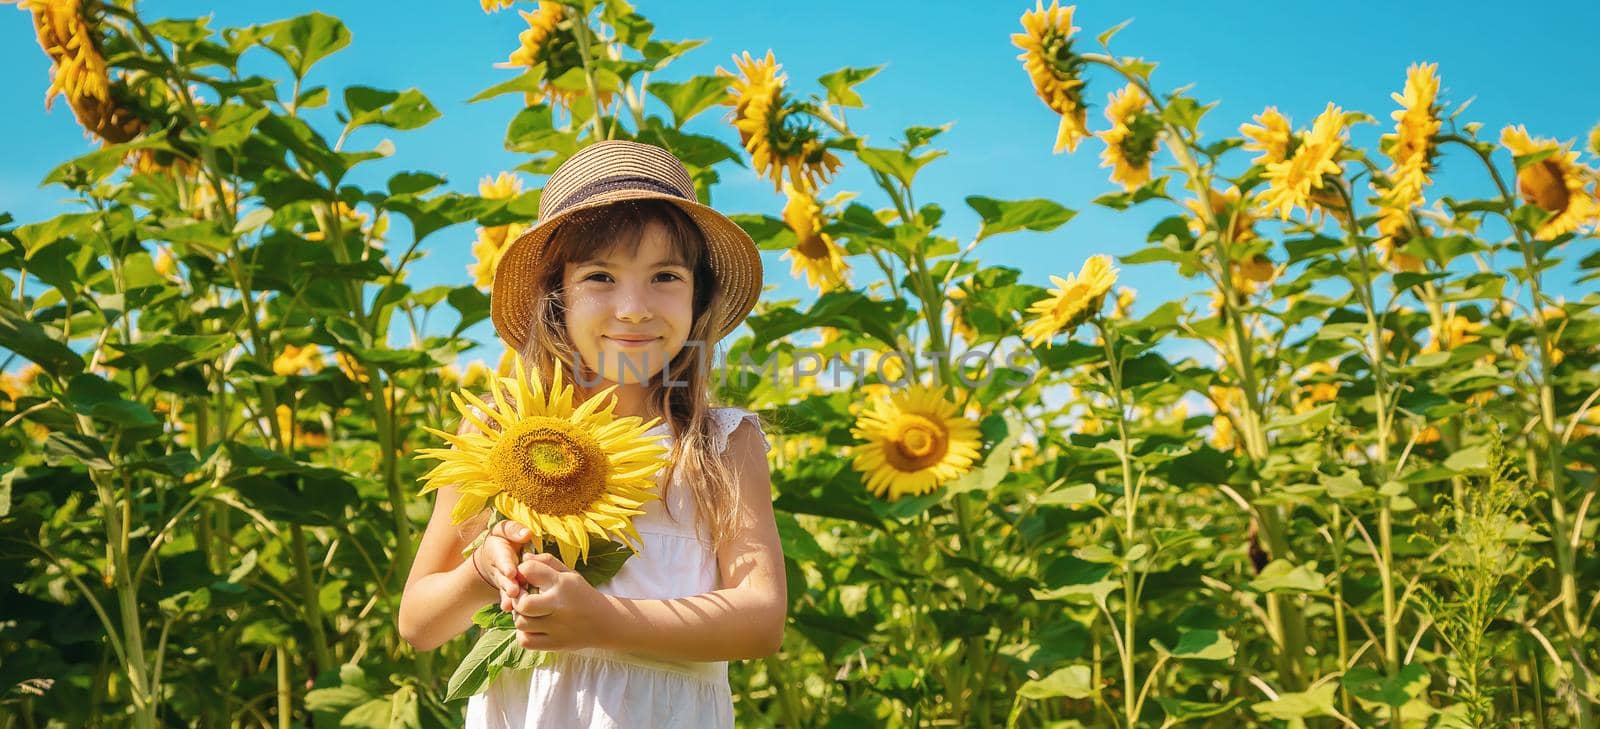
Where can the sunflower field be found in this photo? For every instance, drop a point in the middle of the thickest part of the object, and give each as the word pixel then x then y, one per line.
pixel 1371 504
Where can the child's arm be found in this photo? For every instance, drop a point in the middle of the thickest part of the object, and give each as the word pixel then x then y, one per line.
pixel 444 589
pixel 743 620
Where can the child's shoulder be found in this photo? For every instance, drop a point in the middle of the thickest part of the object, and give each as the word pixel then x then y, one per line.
pixel 726 421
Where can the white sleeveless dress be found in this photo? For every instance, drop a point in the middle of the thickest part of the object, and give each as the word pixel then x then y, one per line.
pixel 598 689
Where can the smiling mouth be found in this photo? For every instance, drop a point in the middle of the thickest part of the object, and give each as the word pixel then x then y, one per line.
pixel 641 340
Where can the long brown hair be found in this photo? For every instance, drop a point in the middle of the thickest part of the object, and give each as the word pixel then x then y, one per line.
pixel 685 405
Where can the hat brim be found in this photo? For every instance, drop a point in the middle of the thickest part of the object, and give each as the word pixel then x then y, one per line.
pixel 732 254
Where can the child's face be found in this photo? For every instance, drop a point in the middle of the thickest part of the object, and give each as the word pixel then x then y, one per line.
pixel 628 316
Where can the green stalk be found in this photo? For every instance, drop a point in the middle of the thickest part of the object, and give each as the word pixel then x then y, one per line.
pixel 1560 524
pixel 1391 615
pixel 1129 532
pixel 308 593
pixel 580 28
pixel 1286 615
pixel 285 691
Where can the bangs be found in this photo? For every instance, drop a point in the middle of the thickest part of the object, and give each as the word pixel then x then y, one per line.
pixel 618 229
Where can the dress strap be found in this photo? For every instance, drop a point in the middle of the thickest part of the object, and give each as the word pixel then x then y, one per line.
pixel 727 421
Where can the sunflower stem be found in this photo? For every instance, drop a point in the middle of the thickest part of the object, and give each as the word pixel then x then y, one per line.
pixel 1290 624
pixel 1564 546
pixel 580 28
pixel 1131 696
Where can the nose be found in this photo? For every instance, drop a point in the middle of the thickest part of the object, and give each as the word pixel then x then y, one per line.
pixel 633 305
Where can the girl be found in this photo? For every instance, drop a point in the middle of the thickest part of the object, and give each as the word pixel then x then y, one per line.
pixel 626 280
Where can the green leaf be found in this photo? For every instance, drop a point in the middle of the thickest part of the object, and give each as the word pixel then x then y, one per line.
pixel 849 310
pixel 687 99
pixel 182 32
pixel 527 82
pixel 92 395
pixel 1072 578
pixel 1203 645
pixel 407 109
pixel 1369 685
pixel 840 85
pixel 1281 575
pixel 491 616
pixel 71 449
pixel 374 714
pixel 20 334
pixel 1184 112
pixel 533 131
pixel 1302 705
pixel 336 700
pixel 769 233
pixel 471 304
pixel 1073 682
pixel 1313 419
pixel 412 183
pixel 895 163
pixel 165 352
pixel 1473 459
pixel 303 41
pixel 995 467
pixel 605 560
pixel 1105 37
pixel 1072 496
pixel 1005 216
pixel 1180 710
pixel 472 675
pixel 95 166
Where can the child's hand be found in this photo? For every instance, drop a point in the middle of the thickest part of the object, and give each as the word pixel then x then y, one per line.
pixel 497 564
pixel 561 610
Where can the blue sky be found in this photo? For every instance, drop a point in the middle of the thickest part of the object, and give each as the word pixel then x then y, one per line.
pixel 946 62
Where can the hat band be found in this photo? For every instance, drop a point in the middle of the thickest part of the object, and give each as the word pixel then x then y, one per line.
pixel 610 184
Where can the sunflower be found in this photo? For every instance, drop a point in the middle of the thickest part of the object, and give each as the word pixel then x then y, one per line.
pixel 288 426
pixel 957 315
pixel 564 471
pixel 350 366
pixel 1458 330
pixel 1225 208
pixel 1272 139
pixel 545 42
pixel 477 373
pixel 1226 399
pixel 815 254
pixel 165 265
pixel 1395 226
pixel 1074 301
pixel 913 441
pixel 354 222
pixel 1319 389
pixel 1124 303
pixel 771 129
pixel 1257 269
pixel 1411 150
pixel 295 360
pixel 1554 183
pixel 1054 69
pixel 1292 182
pixel 492 240
pixel 1132 139
pixel 495 6
pixel 79 71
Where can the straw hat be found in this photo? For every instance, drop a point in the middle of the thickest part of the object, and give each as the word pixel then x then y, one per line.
pixel 604 173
